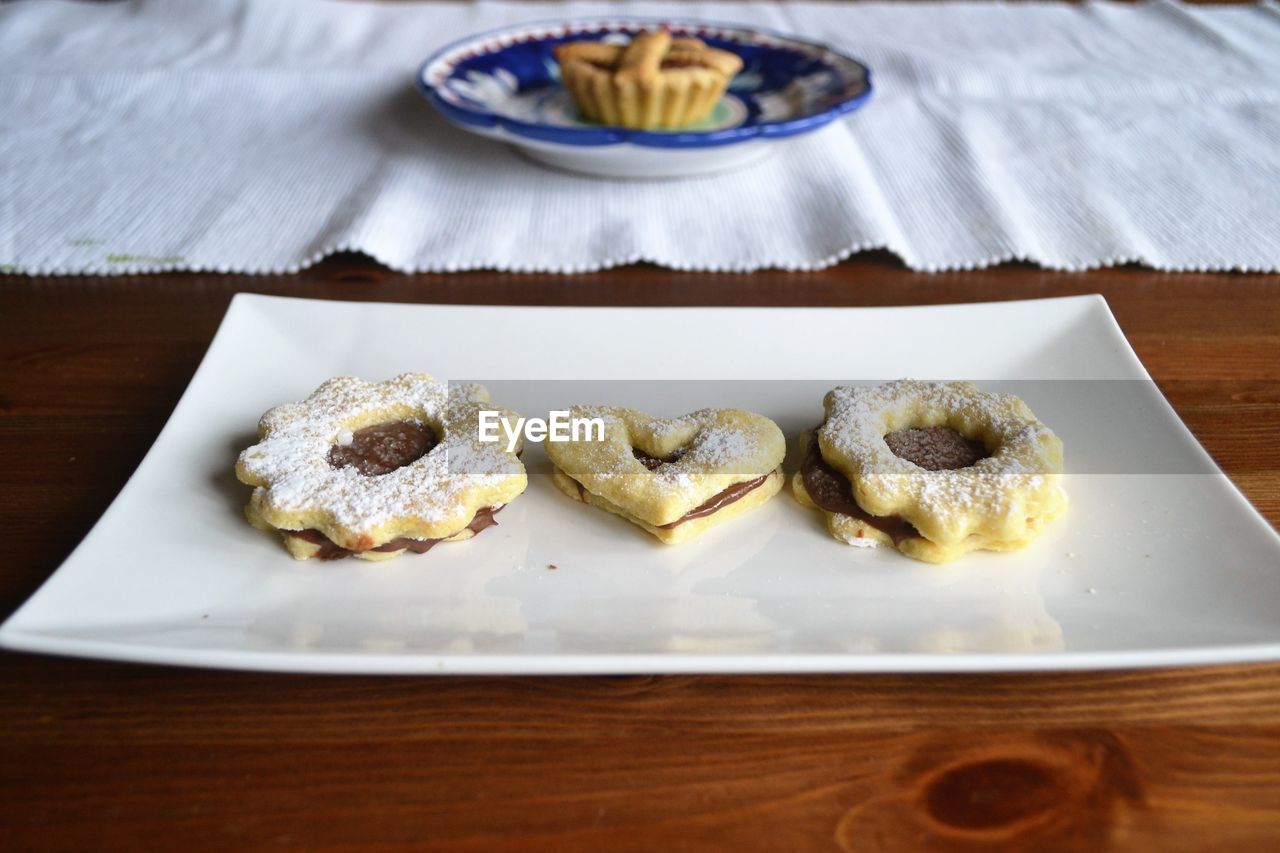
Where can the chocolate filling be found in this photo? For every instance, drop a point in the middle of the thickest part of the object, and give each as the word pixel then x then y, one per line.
pixel 932 448
pixel 381 449
pixel 718 501
pixel 831 490
pixel 937 448
pixel 715 503
pixel 653 463
pixel 330 550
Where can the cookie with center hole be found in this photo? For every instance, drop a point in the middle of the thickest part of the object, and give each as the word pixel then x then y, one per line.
pixel 375 469
pixel 934 469
pixel 676 477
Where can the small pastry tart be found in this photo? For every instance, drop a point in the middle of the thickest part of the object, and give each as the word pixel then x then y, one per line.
pixel 935 469
pixel 656 81
pixel 674 478
pixel 372 470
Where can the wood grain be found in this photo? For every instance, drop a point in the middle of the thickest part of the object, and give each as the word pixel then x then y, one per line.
pixel 97 755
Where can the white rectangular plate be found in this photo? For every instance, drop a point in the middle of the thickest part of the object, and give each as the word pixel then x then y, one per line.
pixel 1159 561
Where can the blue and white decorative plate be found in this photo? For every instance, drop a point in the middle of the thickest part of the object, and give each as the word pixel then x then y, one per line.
pixel 506 85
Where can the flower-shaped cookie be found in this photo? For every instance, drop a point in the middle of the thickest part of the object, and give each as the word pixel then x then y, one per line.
pixel 375 469
pixel 935 469
pixel 675 478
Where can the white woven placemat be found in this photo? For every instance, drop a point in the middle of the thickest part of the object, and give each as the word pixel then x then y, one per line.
pixel 259 136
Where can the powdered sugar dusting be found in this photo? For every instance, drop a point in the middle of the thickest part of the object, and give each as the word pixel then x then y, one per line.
pixel 860 541
pixel 724 451
pixel 720 446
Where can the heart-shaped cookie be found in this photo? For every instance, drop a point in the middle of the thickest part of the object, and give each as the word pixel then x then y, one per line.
pixel 673 477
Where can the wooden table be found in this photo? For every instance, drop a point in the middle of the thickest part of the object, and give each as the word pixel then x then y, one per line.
pixel 107 755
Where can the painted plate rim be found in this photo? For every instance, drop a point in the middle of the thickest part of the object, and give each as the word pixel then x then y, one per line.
pixel 484 119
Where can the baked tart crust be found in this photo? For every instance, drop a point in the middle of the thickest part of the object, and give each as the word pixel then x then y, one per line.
pixel 656 81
